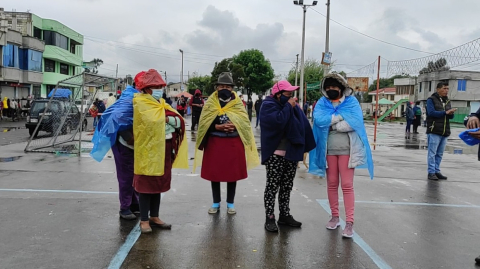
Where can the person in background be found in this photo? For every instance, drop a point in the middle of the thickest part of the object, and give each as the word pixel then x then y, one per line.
pixel 174 103
pixel 240 95
pixel 286 135
pixel 305 109
pixel 5 107
pixel 226 138
pixel 250 108
pixel 417 112
pixel 196 103
pixel 110 100
pixel 439 114
pixel 182 106
pixel 342 146
pixel 14 109
pixel 410 117
pixel 258 105
pixel 167 99
pixel 1 110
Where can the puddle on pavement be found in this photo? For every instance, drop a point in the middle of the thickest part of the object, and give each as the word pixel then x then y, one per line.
pixel 9 159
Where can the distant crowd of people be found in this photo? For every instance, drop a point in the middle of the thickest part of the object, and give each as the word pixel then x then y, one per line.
pixel 12 109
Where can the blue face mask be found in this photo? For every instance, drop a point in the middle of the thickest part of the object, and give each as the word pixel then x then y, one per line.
pixel 284 99
pixel 157 94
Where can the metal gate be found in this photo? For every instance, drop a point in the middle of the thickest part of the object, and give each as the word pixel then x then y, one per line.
pixel 56 124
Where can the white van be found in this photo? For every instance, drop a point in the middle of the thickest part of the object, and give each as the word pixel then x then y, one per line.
pixel 86 105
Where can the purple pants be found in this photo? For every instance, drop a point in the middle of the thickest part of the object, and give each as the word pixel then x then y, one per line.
pixel 124 163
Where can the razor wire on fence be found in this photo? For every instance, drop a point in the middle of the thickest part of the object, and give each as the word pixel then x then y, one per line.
pixel 56 124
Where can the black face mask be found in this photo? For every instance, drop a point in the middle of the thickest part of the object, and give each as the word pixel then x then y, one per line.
pixel 224 94
pixel 333 94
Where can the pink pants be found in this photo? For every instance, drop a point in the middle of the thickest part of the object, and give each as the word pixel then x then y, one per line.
pixel 338 168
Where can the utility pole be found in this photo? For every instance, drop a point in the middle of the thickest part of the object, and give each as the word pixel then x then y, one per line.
pixel 296 72
pixel 302 70
pixel 327 38
pixel 181 73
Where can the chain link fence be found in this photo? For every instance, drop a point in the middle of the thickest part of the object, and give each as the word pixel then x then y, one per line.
pixel 58 124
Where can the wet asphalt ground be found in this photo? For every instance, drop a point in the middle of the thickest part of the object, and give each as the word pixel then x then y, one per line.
pixel 62 212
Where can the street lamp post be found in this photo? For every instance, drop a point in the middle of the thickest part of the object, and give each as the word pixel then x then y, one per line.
pixel 327 38
pixel 302 64
pixel 181 73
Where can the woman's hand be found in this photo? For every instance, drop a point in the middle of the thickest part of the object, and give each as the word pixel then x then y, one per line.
pixel 226 127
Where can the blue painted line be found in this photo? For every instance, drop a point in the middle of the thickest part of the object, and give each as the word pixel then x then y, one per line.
pixel 60 191
pixel 359 241
pixel 123 251
pixel 412 204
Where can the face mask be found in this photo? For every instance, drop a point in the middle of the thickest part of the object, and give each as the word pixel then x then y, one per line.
pixel 157 94
pixel 284 99
pixel 224 94
pixel 333 94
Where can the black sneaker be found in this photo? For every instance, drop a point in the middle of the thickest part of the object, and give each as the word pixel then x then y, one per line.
pixel 270 225
pixel 477 260
pixel 432 177
pixel 440 176
pixel 290 221
pixel 127 214
pixel 135 208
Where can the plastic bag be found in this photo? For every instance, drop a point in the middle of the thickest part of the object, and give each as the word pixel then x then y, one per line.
pixel 152 78
pixel 468 139
pixel 118 117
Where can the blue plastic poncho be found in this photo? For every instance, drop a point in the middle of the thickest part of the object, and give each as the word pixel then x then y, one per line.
pixel 118 117
pixel 351 112
pixel 468 139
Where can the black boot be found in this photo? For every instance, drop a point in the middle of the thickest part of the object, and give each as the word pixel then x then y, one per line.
pixel 290 221
pixel 270 224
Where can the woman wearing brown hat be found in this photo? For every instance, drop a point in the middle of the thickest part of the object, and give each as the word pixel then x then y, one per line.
pixel 226 139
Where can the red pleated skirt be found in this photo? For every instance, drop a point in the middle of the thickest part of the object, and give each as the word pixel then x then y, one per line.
pixel 224 159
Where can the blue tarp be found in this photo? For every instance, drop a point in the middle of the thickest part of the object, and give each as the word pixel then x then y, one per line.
pixel 117 117
pixel 60 93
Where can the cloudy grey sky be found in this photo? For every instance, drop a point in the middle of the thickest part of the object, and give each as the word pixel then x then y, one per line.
pixel 142 34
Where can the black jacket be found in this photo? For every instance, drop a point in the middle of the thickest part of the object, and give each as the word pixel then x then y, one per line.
pixel 438 122
pixel 258 105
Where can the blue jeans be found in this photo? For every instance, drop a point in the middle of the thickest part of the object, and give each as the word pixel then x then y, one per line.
pixel 409 123
pixel 258 118
pixel 436 147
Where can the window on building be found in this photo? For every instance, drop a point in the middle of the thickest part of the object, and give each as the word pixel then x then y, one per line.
pixel 49 66
pixel 37 91
pixel 11 56
pixel 420 87
pixel 462 85
pixel 37 32
pixel 31 60
pixel 73 46
pixel 430 84
pixel 64 69
pixel 55 39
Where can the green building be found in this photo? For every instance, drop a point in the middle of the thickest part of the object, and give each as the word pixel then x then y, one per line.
pixel 63 54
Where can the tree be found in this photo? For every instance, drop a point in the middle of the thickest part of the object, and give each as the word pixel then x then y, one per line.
pixel 226 65
pixel 258 72
pixel 438 65
pixel 313 73
pixel 92 66
pixel 199 82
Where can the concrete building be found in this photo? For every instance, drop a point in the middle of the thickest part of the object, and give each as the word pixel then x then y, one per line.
pixel 464 87
pixel 21 63
pixel 63 54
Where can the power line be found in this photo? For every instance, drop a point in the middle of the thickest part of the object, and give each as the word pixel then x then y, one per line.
pixel 386 42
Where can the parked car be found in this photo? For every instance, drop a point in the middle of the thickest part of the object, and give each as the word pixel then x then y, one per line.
pixel 53 117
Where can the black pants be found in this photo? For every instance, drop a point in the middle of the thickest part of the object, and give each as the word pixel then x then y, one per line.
pixel 231 188
pixel 149 203
pixel 182 113
pixel 250 112
pixel 195 119
pixel 280 175
pixel 416 123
